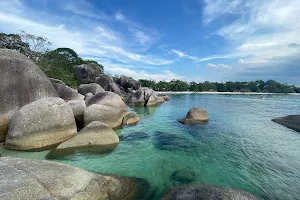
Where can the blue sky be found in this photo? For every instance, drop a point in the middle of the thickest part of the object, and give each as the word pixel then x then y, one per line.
pixel 192 40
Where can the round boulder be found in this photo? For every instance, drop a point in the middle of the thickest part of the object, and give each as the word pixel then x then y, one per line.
pixel 108 99
pixel 88 96
pixel 87 73
pixel 41 125
pixel 195 116
pixel 78 106
pixel 113 87
pixel 21 82
pixel 93 88
pixel 131 119
pixel 207 192
pixel 103 80
pixel 111 116
pixel 41 179
pixel 127 83
pixel 96 137
pixel 65 92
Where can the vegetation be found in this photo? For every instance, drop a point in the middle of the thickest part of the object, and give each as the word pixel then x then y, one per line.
pixel 269 86
pixel 59 63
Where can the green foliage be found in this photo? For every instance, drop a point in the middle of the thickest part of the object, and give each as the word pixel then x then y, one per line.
pixel 269 86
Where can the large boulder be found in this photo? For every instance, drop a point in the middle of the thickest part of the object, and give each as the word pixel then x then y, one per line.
pixel 88 96
pixel 207 192
pixel 195 116
pixel 21 82
pixel 290 121
pixel 107 99
pixel 127 83
pixel 143 97
pixel 113 87
pixel 96 137
pixel 131 119
pixel 40 179
pixel 65 92
pixel 87 73
pixel 103 80
pixel 41 125
pixel 93 88
pixel 78 106
pixel 111 116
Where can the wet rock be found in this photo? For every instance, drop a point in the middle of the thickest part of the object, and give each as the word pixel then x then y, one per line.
pixel 96 137
pixel 195 116
pixel 207 192
pixel 134 136
pixel 93 88
pixel 40 179
pixel 183 176
pixel 41 125
pixel 22 82
pixel 290 121
pixel 131 119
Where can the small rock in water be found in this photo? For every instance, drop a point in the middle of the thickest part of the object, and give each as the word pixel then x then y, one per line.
pixel 134 136
pixel 183 176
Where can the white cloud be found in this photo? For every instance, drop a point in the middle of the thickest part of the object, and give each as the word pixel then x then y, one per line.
pixel 219 67
pixel 119 16
pixel 181 54
pixel 254 61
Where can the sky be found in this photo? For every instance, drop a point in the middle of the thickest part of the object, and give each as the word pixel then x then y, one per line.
pixel 191 40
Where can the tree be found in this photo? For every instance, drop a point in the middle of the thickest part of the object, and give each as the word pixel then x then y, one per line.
pixel 13 41
pixel 231 86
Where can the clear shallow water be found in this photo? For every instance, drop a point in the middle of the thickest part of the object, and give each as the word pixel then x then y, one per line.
pixel 240 147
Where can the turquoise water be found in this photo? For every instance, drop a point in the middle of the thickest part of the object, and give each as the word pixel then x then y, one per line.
pixel 239 147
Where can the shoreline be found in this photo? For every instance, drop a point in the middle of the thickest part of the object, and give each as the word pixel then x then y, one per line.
pixel 236 93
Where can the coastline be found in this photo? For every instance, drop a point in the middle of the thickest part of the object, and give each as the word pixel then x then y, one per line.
pixel 236 93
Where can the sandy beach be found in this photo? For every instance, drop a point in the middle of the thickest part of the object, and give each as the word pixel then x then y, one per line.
pixel 254 93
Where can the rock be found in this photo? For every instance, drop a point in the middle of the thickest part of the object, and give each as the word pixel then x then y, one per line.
pixel 113 87
pixel 166 98
pixel 127 83
pixel 290 121
pixel 41 125
pixel 103 80
pixel 131 119
pixel 65 92
pixel 159 99
pixel 134 136
pixel 151 101
pixel 170 142
pixel 195 116
pixel 87 73
pixel 40 179
pixel 207 192
pixel 143 97
pixel 108 99
pixel 88 96
pixel 78 106
pixel 92 88
pixel 111 116
pixel 21 82
pixel 96 137
pixel 183 176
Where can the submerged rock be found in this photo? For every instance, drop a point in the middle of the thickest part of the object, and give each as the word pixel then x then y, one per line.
pixel 96 137
pixel 167 141
pixel 93 88
pixel 207 192
pixel 183 176
pixel 195 116
pixel 131 119
pixel 40 179
pixel 41 125
pixel 111 116
pixel 22 82
pixel 134 136
pixel 290 121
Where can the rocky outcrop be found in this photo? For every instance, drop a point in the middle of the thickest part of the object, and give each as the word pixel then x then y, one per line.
pixel 21 82
pixel 87 73
pixel 111 116
pixel 195 116
pixel 290 121
pixel 108 99
pixel 183 176
pixel 88 96
pixel 131 119
pixel 39 179
pixel 103 80
pixel 78 106
pixel 144 97
pixel 166 97
pixel 41 125
pixel 207 192
pixel 65 92
pixel 113 87
pixel 128 83
pixel 96 137
pixel 93 88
